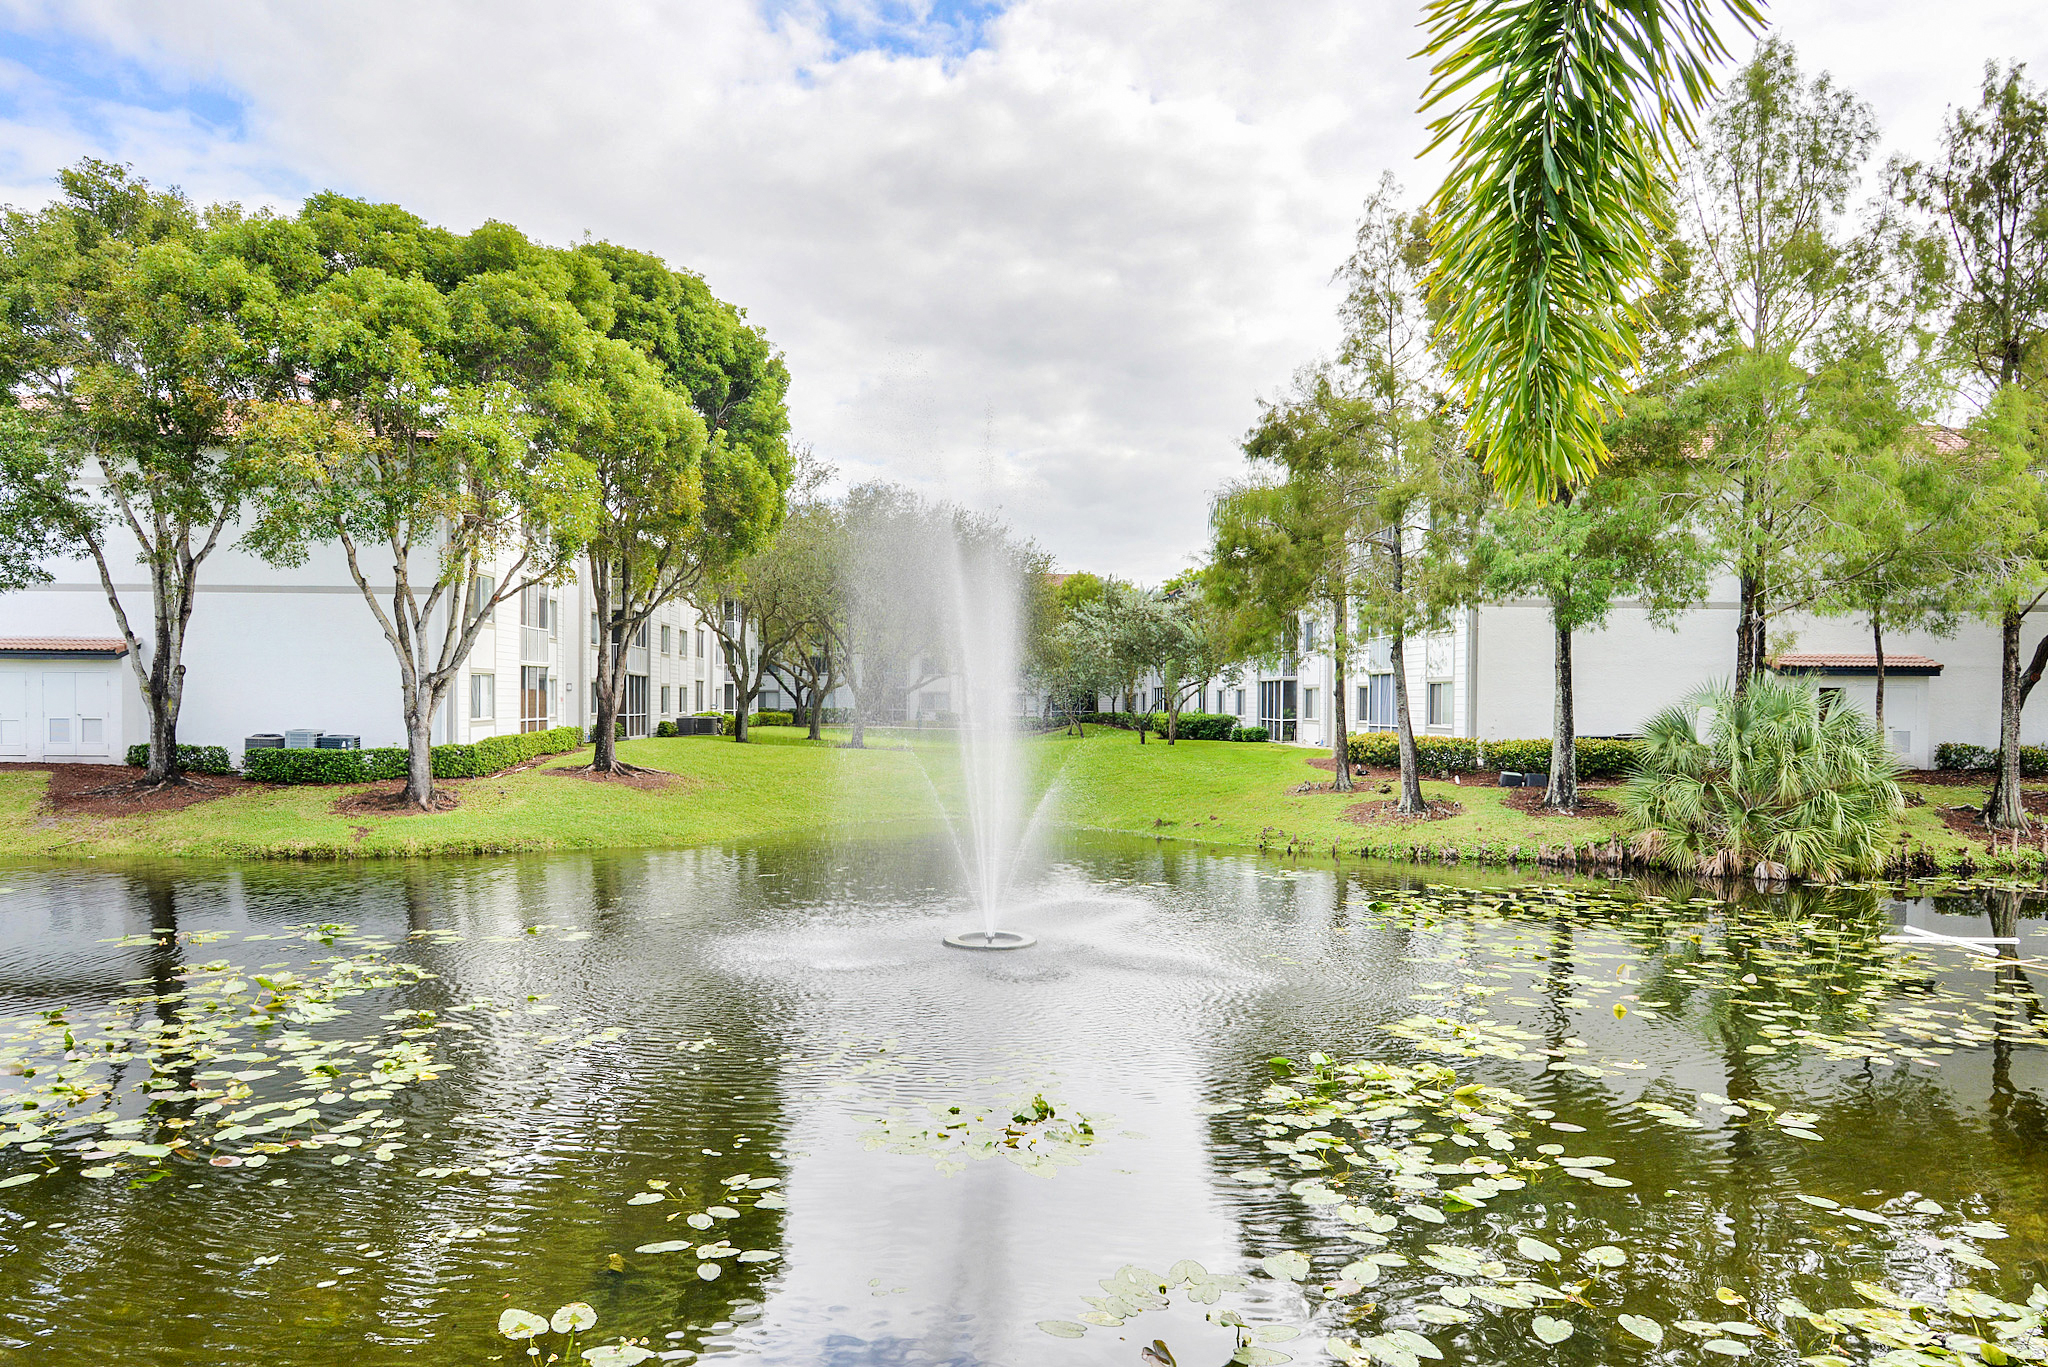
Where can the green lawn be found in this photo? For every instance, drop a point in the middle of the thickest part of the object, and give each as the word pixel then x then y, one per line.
pixel 1201 791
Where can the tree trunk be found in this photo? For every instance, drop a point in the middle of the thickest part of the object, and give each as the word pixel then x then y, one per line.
pixel 1877 645
pixel 1563 793
pixel 817 731
pixel 1748 661
pixel 2003 810
pixel 166 691
pixel 419 744
pixel 1340 732
pixel 1411 768
pixel 604 732
pixel 1173 701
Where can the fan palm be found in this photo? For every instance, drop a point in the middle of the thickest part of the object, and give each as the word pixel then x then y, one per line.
pixel 1771 776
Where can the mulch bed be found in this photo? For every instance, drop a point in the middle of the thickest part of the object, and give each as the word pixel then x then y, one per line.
pixel 1384 813
pixel 647 780
pixel 1529 802
pixel 116 789
pixel 1968 825
pixel 388 799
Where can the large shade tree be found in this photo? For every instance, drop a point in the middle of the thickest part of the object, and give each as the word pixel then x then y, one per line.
pixel 135 334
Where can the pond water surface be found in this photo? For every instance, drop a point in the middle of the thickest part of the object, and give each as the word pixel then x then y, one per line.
pixel 744 1104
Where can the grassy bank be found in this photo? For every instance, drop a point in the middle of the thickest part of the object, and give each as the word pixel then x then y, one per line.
pixel 1215 793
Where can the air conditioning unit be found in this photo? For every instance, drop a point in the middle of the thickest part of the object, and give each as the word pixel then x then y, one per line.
pixel 301 740
pixel 264 740
pixel 330 741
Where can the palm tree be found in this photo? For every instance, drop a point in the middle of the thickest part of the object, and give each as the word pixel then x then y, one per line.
pixel 1772 776
pixel 1565 115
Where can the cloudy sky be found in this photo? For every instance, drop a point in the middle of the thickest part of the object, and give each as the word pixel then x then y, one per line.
pixel 1045 255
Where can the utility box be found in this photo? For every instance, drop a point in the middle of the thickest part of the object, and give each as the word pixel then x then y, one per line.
pixel 301 740
pixel 328 740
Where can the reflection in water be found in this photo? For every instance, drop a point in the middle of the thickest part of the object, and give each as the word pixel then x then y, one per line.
pixel 730 1030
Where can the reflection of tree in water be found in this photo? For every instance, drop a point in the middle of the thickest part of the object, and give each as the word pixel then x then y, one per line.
pixel 2016 1114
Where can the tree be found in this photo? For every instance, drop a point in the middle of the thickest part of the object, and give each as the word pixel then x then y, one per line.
pixel 1563 119
pixel 137 332
pixel 429 425
pixel 683 499
pixel 1985 196
pixel 1193 645
pixel 1804 316
pixel 782 603
pixel 1624 535
pixel 889 579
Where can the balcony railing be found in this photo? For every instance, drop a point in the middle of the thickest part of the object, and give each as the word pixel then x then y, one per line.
pixel 533 645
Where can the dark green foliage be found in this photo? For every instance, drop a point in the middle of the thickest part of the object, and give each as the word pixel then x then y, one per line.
pixel 1955 755
pixel 1433 754
pixel 1197 725
pixel 192 759
pixel 772 719
pixel 1249 733
pixel 475 760
pixel 665 730
pixel 1598 757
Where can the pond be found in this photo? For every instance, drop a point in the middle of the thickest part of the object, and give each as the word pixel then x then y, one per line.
pixel 742 1103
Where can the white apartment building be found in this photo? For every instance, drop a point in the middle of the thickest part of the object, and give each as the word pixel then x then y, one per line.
pixel 274 650
pixel 1490 675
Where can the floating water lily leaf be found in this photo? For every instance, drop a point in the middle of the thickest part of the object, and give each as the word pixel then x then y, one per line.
pixel 1291 1266
pixel 698 1221
pixel 19 1178
pixel 1536 1250
pixel 572 1318
pixel 1643 1327
pixel 1062 1329
pixel 666 1246
pixel 521 1324
pixel 1550 1330
pixel 708 1271
pixel 1726 1347
pixel 1251 1355
pixel 1605 1255
pixel 645 1198
pixel 617 1354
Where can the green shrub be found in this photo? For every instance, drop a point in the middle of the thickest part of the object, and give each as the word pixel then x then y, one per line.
pixel 1955 755
pixel 192 759
pixel 1599 756
pixel 1249 733
pixel 1196 725
pixel 666 730
pixel 1778 780
pixel 772 719
pixel 1433 754
pixel 474 760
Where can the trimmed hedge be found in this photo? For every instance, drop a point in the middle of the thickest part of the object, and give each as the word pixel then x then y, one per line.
pixel 1249 733
pixel 192 759
pixel 1198 725
pixel 1599 757
pixel 475 760
pixel 1958 756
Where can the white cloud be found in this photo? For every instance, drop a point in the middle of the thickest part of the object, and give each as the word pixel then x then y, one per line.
pixel 1059 268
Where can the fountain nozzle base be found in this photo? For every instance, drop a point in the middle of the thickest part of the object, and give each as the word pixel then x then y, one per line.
pixel 991 939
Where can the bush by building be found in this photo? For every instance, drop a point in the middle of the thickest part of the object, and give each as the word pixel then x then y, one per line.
pixel 1958 757
pixel 1598 756
pixel 474 760
pixel 192 759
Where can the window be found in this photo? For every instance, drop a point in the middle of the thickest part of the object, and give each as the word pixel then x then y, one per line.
pixel 664 688
pixel 1308 637
pixel 1439 703
pixel 483 697
pixel 481 590
pixel 728 697
pixel 700 643
pixel 640 636
pixel 593 628
pixel 533 606
pixel 536 698
pixel 1308 704
pixel 771 700
pixel 1158 699
pixel 933 704
pixel 700 696
pixel 664 648
pixel 1240 702
pixel 634 709
pixel 1376 702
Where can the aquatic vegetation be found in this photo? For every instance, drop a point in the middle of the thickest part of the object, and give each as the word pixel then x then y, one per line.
pixel 1039 1137
pixel 523 1326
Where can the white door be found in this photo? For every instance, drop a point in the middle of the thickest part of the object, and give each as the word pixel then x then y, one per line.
pixel 13 713
pixel 75 713
pixel 60 713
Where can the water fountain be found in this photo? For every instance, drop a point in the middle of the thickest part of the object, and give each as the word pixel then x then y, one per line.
pixel 987 634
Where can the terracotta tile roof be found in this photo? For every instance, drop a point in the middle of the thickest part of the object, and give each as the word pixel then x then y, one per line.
pixel 62 645
pixel 1845 663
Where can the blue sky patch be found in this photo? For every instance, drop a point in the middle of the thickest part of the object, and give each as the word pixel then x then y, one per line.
pixel 904 28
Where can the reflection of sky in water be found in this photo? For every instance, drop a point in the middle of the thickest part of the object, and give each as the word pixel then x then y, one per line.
pixel 1163 980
